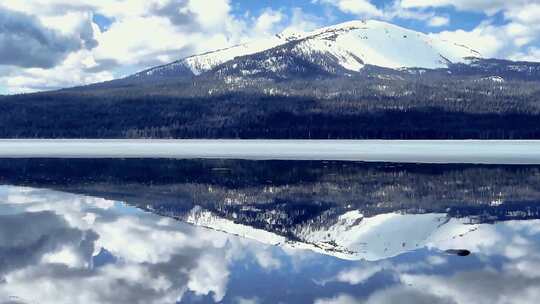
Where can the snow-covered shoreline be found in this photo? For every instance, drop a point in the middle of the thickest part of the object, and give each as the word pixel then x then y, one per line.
pixel 405 151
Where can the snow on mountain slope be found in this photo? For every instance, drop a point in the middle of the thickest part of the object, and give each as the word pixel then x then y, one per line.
pixel 387 45
pixel 198 64
pixel 351 45
pixel 206 62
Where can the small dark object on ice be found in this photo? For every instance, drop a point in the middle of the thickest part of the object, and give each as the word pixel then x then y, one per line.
pixel 459 252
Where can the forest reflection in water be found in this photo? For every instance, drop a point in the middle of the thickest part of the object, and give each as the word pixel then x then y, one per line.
pixel 167 231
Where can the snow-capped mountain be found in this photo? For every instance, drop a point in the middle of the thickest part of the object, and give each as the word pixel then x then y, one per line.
pixel 344 47
pixel 198 64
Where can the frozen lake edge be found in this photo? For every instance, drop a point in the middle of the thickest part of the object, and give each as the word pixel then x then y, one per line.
pixel 399 151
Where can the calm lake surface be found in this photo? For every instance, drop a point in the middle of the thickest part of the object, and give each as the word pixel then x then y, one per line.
pixel 245 231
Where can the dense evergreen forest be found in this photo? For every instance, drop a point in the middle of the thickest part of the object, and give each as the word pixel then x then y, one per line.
pixel 375 104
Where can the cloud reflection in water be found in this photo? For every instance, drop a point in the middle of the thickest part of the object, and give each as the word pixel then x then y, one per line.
pixel 65 248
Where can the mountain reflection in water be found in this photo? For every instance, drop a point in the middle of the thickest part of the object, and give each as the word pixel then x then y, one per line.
pixel 129 231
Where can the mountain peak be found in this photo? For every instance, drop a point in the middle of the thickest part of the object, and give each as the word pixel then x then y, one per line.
pixel 291 34
pixel 350 46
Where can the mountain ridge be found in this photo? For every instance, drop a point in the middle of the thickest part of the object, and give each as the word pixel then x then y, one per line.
pixel 343 41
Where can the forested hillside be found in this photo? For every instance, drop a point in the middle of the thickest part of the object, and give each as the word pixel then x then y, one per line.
pixel 379 103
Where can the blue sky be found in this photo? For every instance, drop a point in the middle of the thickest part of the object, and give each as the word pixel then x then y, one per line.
pixel 50 44
pixel 465 20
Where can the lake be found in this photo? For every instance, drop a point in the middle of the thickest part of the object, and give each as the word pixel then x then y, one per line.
pixel 140 230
